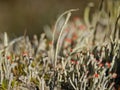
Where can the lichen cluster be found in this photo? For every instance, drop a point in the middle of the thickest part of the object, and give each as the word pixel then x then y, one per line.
pixel 77 54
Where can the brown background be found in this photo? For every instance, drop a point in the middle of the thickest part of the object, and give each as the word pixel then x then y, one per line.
pixel 32 15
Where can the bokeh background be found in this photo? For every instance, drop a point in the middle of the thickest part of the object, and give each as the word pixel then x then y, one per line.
pixel 16 16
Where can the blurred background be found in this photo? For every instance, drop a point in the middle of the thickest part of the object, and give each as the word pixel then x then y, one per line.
pixel 16 16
